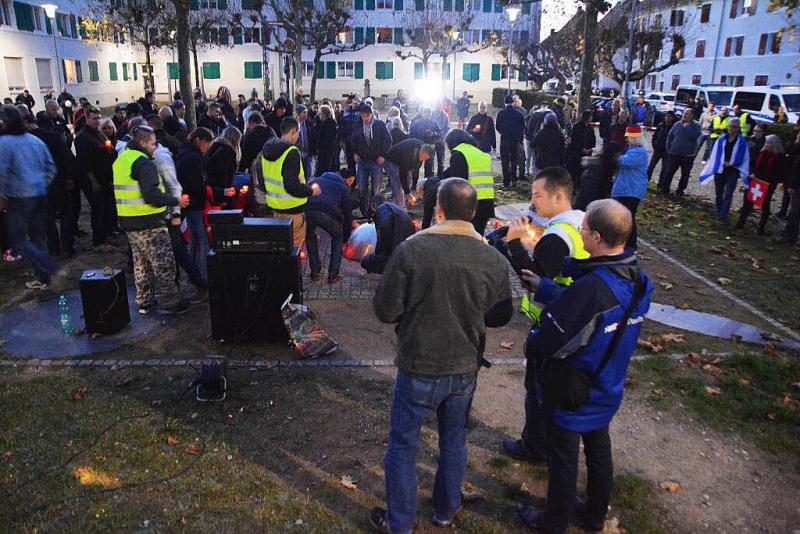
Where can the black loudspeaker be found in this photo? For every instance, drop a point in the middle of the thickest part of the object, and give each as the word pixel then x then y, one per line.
pixel 246 291
pixel 105 301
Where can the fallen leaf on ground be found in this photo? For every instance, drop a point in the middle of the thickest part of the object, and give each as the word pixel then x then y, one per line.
pixel 507 344
pixel 713 391
pixel 348 482
pixel 649 345
pixel 685 306
pixel 193 448
pixel 172 441
pixel 724 281
pixel 769 349
pixel 666 286
pixel 79 393
pixel 772 416
pixel 744 381
pixel 700 292
pixel 672 487
pixel 672 337
pixel 693 357
pixel 717 250
pixel 662 276
pixel 788 402
pixel 711 368
pixel 759 264
pixel 660 392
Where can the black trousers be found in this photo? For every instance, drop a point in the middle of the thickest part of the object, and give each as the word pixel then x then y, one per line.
pixel 658 155
pixel 675 162
pixel 632 203
pixel 439 152
pixel 183 259
pixel 61 236
pixel 793 218
pixel 508 158
pixel 747 209
pixel 562 467
pixel 480 224
pixel 521 160
pixel 103 206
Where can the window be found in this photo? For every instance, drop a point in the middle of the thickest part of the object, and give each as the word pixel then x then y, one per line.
pixel 705 13
pixel 384 35
pixel 676 18
pixel 651 81
pixel 70 71
pixel 657 21
pixel 734 9
pixel 24 16
pixel 345 36
pixel 5 13
pixel 774 101
pixel 731 81
pixel 62 24
pixel 499 72
pixel 94 72
pixel 14 74
pixel 345 70
pixel 750 100
pixel 696 79
pixel 728 46
pixel 676 81
pixel 769 43
pixel 749 7
pixel 384 4
pixel 419 71
pixel 471 37
pixel 212 4
pixel 471 72
pixel 45 74
pixel 700 49
pixel 384 70
pixel 38 17
pixel 112 72
pixel 738 45
pixel 211 70
pixel 308 69
pixel 252 35
pixel 761 79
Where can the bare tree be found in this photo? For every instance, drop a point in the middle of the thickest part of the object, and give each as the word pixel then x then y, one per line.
pixel 182 35
pixel 558 56
pixel 592 10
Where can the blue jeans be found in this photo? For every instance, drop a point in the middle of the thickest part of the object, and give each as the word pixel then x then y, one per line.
pixel 395 182
pixel 368 177
pixel 413 400
pixel 307 167
pixel 314 219
pixel 198 241
pixel 26 224
pixel 724 187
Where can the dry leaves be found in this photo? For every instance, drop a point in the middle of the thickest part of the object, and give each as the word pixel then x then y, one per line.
pixel 172 441
pixel 650 345
pixel 79 393
pixel 772 416
pixel 745 382
pixel 672 337
pixel 711 368
pixel 724 281
pixel 670 486
pixel 666 286
pixel 348 482
pixel 193 448
pixel 713 391
pixel 508 345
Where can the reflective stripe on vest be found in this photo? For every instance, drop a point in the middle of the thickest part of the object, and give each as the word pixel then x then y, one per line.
pixel 276 196
pixel 479 169
pixel 744 128
pixel 128 194
pixel 532 308
pixel 718 124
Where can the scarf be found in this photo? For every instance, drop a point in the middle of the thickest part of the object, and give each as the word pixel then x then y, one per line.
pixel 740 159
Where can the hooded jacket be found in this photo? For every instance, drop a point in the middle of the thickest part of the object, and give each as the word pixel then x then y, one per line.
pixel 577 326
pixel 272 151
pixel 334 200
pixel 191 170
pixel 252 142
pixel 481 127
pixel 220 166
pixel 631 180
pixel 549 146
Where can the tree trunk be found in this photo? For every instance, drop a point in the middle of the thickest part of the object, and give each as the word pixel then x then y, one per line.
pixel 267 95
pixel 317 56
pixel 589 48
pixel 184 61
pixel 297 58
pixel 150 84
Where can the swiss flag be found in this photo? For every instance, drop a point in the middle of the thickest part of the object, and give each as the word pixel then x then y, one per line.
pixel 756 192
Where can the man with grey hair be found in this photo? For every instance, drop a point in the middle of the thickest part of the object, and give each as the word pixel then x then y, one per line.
pixel 578 358
pixel 449 273
pixel 50 119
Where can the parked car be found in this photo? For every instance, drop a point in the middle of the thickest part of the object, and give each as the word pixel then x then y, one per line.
pixel 721 95
pixel 763 101
pixel 663 102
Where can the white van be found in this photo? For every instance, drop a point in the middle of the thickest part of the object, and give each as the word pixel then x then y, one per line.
pixel 762 101
pixel 721 95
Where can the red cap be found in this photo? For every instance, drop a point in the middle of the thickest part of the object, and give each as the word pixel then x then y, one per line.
pixel 633 131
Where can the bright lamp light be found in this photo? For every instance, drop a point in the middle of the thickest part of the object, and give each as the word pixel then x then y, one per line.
pixel 50 10
pixel 513 12
pixel 456 34
pixel 428 90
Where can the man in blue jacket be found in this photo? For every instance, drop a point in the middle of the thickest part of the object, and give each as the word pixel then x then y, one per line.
pixel 332 211
pixel 580 329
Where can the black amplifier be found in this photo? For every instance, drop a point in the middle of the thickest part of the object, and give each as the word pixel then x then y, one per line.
pixel 105 301
pixel 216 217
pixel 266 236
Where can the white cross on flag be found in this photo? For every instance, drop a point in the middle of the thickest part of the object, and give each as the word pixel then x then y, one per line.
pixel 756 192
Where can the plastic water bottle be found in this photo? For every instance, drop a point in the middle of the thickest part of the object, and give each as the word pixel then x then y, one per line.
pixel 64 316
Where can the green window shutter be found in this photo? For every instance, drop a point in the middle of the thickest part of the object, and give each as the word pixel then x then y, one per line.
pixel 94 74
pixel 487 6
pixel 238 35
pixel 24 16
pixel 125 72
pixel 194 4
pixel 73 26
pixel 398 36
pixel 495 72
pixel 398 5
pixel 526 9
pixel 223 36
pixel 359 36
pixel 447 5
pixel 321 70
pixel 379 70
pixel 370 5
pixel 471 72
pixel 419 71
pixel 384 70
pixel 211 71
pixel 447 71
pixel 389 70
pixel 370 36
pixel 135 71
pixel 112 72
pixel 246 4
pixel 358 5
pixel 172 71
pixel 486 35
pixel 78 72
pixel 222 4
pixel 64 68
pixel 498 7
pixel 419 5
pixel 252 70
pixel 48 26
pixel 459 5
pixel 330 70
pixel 521 74
pixel 359 70
pixel 81 27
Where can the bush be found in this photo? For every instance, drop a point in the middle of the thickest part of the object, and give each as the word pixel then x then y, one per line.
pixel 529 98
pixel 787 133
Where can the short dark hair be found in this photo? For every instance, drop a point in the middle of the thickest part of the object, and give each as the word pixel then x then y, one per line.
pixel 611 219
pixel 13 120
pixel 255 118
pixel 203 134
pixel 288 124
pixel 213 105
pixel 346 172
pixel 141 133
pixel 93 110
pixel 377 199
pixel 556 179
pixel 458 199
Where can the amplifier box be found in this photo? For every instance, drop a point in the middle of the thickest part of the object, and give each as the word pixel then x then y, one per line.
pixel 267 236
pixel 225 217
pixel 105 301
pixel 246 292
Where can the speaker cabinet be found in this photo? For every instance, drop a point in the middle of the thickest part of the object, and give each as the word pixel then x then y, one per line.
pixel 246 291
pixel 105 301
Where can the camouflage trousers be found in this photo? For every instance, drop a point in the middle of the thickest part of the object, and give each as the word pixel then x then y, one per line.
pixel 153 268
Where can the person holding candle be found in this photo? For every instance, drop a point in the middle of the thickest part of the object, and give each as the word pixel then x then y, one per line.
pixel 481 127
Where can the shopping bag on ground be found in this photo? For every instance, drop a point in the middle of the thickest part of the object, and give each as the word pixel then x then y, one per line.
pixel 305 333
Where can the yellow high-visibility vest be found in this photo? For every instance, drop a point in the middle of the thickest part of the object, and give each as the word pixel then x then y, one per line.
pixel 479 167
pixel 128 194
pixel 276 195
pixel 718 124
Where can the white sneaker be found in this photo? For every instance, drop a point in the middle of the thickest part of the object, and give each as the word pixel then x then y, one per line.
pixel 36 285
pixel 11 257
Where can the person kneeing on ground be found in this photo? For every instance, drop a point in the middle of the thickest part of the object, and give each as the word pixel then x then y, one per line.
pixel 447 272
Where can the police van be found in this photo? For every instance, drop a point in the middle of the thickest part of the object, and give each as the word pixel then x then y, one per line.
pixel 761 101
pixel 721 95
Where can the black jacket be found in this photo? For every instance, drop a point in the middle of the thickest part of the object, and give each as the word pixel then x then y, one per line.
pixel 792 180
pixel 511 125
pixel 62 156
pixel 174 128
pixel 273 150
pixel 327 146
pixel 482 129
pixel 168 142
pixel 191 170
pixel 381 141
pixel 58 125
pixel 94 157
pixel 221 166
pixel 405 155
pixel 397 135
pixel 549 146
pixel 425 130
pixel 274 122
pixel 216 126
pixel 660 137
pixel 252 143
pixel 582 138
pixel 145 172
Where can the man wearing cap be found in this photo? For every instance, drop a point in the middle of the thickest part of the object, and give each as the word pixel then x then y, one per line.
pixel 683 141
pixel 511 125
pixel 630 183
pixel 370 143
pixel 119 120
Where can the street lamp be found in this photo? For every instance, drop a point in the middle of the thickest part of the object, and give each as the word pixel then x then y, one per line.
pixel 513 12
pixel 174 89
pixel 50 11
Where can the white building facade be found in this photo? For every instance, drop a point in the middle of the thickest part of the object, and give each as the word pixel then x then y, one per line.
pixel 107 73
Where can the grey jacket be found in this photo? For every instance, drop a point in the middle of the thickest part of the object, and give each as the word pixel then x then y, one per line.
pixel 682 139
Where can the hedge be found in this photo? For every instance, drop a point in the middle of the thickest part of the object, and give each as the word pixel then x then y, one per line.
pixel 529 98
pixel 787 133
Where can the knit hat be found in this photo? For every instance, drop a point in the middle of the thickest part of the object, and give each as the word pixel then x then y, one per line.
pixel 550 118
pixel 633 131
